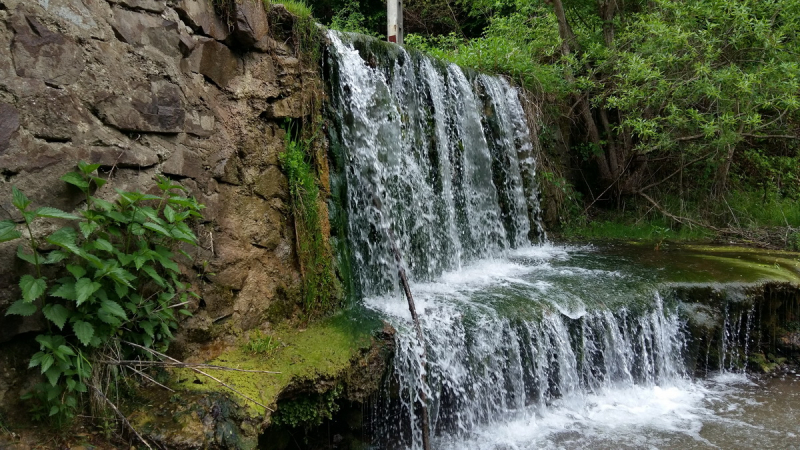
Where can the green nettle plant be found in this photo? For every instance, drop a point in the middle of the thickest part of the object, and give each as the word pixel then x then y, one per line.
pixel 109 278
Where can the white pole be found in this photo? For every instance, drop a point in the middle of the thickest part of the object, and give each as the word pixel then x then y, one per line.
pixel 394 21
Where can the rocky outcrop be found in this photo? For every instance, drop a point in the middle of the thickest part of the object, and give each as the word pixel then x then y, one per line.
pixel 146 87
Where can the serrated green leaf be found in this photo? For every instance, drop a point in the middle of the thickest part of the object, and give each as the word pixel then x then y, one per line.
pixel 76 179
pixel 65 350
pixel 21 308
pixel 71 384
pixel 80 387
pixel 56 314
pixel 36 360
pixel 53 375
pixel 55 213
pixel 29 216
pixel 155 276
pixel 84 331
pixel 87 168
pixel 19 200
pixel 113 307
pixel 121 290
pixel 102 244
pixel 169 213
pixel 25 256
pixel 65 237
pixel 148 327
pixel 84 288
pixel 99 182
pixel 140 260
pixel 54 257
pixel 76 271
pixel 32 288
pixel 65 291
pixel 88 228
pixel 118 216
pixel 102 204
pixel 158 229
pixel 109 318
pixel 47 362
pixel 8 231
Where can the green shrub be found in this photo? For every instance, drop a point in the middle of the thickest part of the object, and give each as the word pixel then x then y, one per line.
pixel 114 279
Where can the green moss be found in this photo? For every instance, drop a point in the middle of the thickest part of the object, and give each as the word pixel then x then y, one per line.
pixel 323 350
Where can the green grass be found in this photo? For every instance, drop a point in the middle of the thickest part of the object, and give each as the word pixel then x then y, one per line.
pixel 298 8
pixel 260 344
pixel 655 230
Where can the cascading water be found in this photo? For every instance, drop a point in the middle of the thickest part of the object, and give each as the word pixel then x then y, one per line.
pixel 442 160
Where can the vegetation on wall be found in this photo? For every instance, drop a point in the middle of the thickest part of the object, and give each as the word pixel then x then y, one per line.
pixel 108 284
pixel 321 290
pixel 681 110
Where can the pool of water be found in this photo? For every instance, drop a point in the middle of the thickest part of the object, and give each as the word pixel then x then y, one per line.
pixel 724 411
pixel 585 347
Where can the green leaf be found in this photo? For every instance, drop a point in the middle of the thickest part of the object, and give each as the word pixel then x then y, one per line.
pixel 88 228
pixel 76 179
pixel 53 375
pixel 27 257
pixel 148 327
pixel 64 237
pixel 54 257
pixel 169 213
pixel 185 312
pixel 121 290
pixel 19 200
pixel 84 288
pixel 21 308
pixel 47 362
pixel 99 182
pixel 8 231
pixel 152 272
pixel 76 271
pixel 36 360
pixel 55 213
pixel 83 331
pixel 65 350
pixel 57 314
pixel 102 204
pixel 87 168
pixel 32 288
pixel 158 229
pixel 102 244
pixel 113 308
pixel 65 291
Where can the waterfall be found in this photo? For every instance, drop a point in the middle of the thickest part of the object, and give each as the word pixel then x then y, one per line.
pixel 442 159
pixel 431 153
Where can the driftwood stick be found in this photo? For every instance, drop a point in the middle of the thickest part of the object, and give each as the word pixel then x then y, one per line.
pixel 401 271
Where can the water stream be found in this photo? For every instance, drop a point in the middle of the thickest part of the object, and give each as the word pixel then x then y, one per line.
pixel 527 345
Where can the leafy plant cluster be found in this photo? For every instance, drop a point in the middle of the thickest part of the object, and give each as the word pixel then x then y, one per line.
pixel 321 291
pixel 109 277
pixel 308 411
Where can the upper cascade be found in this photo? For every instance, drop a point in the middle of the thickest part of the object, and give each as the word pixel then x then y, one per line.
pixel 436 157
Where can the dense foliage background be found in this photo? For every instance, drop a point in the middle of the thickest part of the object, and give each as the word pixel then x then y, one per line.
pixel 676 111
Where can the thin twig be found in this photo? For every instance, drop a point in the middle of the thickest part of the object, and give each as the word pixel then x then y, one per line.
pixel 147 377
pixel 121 416
pixel 196 370
pixel 181 365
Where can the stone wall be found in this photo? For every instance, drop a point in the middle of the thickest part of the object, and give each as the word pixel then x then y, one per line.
pixel 148 87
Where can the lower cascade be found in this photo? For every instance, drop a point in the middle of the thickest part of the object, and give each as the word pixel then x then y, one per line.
pixel 526 344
